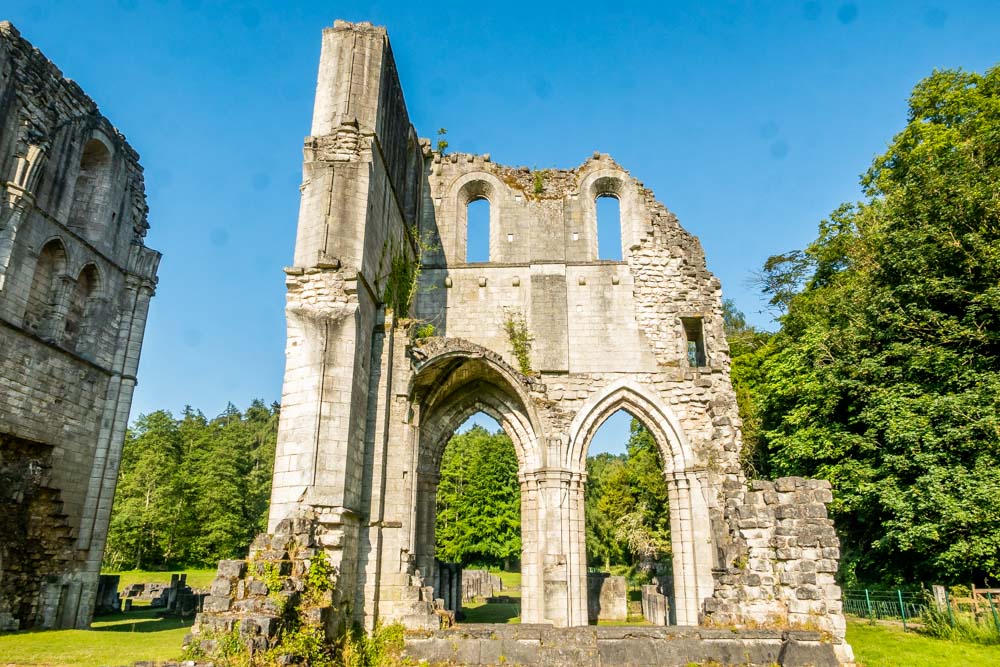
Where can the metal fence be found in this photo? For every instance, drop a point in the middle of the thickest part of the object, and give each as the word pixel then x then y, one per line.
pixel 884 604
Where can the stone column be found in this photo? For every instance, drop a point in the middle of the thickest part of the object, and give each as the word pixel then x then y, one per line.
pixel 532 602
pixel 53 321
pixel 690 532
pixel 577 530
pixel 426 515
pixel 20 200
pixel 558 593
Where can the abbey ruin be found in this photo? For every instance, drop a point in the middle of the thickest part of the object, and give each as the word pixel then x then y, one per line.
pixel 75 285
pixel 544 337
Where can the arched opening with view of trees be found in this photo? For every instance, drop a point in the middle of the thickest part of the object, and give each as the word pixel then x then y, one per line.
pixel 627 510
pixel 478 519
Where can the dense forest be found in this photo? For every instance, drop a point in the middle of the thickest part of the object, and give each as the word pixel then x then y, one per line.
pixel 883 376
pixel 192 491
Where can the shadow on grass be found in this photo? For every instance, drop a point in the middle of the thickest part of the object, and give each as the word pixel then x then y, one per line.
pixel 138 621
pixel 492 612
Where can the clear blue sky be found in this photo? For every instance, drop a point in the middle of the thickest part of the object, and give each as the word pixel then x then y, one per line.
pixel 750 120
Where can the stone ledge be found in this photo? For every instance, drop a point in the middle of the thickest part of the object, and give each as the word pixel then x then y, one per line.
pixel 598 646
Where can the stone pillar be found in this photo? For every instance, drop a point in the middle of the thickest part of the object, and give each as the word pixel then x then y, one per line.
pixel 531 559
pixel 577 529
pixel 690 532
pixel 107 459
pixel 426 517
pixel 560 591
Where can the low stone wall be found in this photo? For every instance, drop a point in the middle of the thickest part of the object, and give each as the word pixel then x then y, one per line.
pixel 622 646
pixel 479 584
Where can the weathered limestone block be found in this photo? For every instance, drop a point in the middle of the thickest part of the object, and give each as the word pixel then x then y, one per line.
pixel 654 605
pixel 607 598
pixel 258 596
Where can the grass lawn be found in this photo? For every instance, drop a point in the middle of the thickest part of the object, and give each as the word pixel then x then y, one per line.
pixel 889 646
pixel 491 612
pixel 510 580
pixel 120 639
pixel 195 578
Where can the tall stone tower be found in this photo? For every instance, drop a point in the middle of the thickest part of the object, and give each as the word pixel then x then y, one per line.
pixel 545 337
pixel 75 285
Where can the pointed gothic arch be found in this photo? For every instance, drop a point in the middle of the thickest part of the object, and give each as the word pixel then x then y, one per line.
pixel 691 534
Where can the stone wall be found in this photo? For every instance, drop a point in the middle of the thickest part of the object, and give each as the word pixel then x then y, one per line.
pixel 75 285
pixel 783 557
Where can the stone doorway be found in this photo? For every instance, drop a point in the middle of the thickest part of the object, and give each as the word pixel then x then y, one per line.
pixel 477 527
pixel 691 537
pixel 450 390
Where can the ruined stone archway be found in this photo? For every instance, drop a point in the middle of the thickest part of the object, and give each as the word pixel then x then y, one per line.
pixel 690 525
pixel 367 407
pixel 451 386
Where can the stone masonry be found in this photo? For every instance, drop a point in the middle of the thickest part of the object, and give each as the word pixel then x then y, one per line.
pixel 368 406
pixel 75 285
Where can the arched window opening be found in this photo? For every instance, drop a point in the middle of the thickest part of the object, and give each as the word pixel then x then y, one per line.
pixel 43 297
pixel 609 228
pixel 477 248
pixel 79 324
pixel 478 519
pixel 627 521
pixel 92 194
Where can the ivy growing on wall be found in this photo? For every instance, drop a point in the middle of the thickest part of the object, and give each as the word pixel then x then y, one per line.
pixel 520 340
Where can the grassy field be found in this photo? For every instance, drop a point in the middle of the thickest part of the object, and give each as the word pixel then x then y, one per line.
pixel 140 636
pixel 114 640
pixel 195 578
pixel 889 646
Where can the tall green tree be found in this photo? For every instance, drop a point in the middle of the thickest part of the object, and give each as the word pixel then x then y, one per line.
pixel 626 504
pixel 479 500
pixel 748 348
pixel 885 376
pixel 143 525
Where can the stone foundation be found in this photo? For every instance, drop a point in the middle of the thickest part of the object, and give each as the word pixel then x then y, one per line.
pixel 620 646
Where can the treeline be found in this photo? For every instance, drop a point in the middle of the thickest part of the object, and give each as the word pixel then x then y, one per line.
pixel 884 376
pixel 192 491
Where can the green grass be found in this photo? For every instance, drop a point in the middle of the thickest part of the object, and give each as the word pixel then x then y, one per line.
pixel 889 646
pixel 195 578
pixel 510 580
pixel 119 639
pixel 491 612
